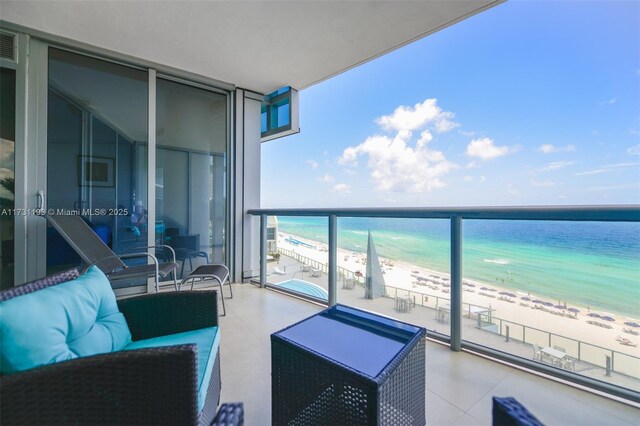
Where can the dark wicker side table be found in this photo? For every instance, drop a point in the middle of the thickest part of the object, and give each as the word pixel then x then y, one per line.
pixel 345 366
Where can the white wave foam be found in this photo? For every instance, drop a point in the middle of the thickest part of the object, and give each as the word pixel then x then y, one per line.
pixel 497 261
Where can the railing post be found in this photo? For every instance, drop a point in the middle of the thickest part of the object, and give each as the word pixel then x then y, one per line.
pixel 456 283
pixel 263 250
pixel 579 350
pixel 333 259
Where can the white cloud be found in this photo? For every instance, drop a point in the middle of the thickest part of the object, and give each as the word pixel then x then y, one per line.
pixel 614 187
pixel 608 168
pixel 548 148
pixel 327 178
pixel 421 115
pixel 425 138
pixel 466 133
pixel 557 165
pixel 314 165
pixel 634 150
pixel 546 183
pixel 400 163
pixel 472 179
pixel 399 167
pixel 511 189
pixel 342 188
pixel 349 157
pixel 486 149
pixel 609 101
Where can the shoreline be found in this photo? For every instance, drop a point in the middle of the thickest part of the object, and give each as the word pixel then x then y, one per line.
pixel 565 318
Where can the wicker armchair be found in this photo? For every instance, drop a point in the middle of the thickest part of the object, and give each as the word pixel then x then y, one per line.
pixel 155 386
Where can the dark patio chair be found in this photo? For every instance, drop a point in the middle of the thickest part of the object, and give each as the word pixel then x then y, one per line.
pixel 151 386
pixel 94 251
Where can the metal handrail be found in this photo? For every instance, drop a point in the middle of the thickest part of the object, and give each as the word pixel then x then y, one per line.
pixel 610 213
pixel 456 216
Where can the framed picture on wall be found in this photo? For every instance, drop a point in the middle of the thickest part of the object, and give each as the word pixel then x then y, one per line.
pixel 95 171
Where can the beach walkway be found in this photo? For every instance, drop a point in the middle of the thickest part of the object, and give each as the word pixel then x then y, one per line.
pixel 431 312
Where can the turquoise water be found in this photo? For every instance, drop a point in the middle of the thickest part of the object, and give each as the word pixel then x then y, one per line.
pixel 304 287
pixel 589 264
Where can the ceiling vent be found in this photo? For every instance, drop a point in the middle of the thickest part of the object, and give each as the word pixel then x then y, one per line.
pixel 8 46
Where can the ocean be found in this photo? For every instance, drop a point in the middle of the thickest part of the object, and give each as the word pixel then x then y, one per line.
pixel 592 265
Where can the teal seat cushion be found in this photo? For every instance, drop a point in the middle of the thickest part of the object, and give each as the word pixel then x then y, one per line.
pixel 62 322
pixel 208 341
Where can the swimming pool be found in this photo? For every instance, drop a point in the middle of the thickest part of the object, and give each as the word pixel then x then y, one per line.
pixel 304 287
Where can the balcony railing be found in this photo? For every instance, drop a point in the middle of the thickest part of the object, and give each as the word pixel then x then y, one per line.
pixel 506 328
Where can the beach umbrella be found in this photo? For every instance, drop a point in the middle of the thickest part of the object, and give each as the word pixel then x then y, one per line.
pixel 506 293
pixel 607 318
pixel 593 314
pixel 537 301
pixel 470 285
pixel 632 324
pixel 526 299
pixel 573 310
pixel 547 303
pixel 559 306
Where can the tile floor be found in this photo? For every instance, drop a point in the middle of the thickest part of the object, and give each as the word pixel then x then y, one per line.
pixel 459 385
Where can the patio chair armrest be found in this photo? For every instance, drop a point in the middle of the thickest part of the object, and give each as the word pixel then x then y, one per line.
pixel 169 313
pixel 124 256
pixel 163 246
pixel 146 386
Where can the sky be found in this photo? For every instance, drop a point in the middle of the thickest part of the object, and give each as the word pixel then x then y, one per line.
pixel 528 103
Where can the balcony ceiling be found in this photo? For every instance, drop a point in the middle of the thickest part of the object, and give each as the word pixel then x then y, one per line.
pixel 258 45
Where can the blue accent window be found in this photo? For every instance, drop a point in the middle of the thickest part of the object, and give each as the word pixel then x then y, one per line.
pixel 277 114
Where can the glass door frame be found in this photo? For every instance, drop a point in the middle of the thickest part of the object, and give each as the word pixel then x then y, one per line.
pixel 31 138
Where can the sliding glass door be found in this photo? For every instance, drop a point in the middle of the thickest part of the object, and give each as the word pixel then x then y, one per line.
pixel 97 120
pixel 88 151
pixel 191 172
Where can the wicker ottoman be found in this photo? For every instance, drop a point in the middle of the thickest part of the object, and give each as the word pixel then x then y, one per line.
pixel 345 366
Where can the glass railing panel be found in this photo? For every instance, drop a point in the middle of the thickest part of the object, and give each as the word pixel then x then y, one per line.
pixel 409 281
pixel 297 256
pixel 563 294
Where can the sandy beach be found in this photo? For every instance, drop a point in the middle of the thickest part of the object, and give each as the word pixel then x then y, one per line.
pixel 562 317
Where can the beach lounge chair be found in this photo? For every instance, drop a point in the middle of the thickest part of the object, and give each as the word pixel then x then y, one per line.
pixel 348 284
pixel 568 363
pixel 93 251
pixel 279 271
pixel 537 355
pixel 315 272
